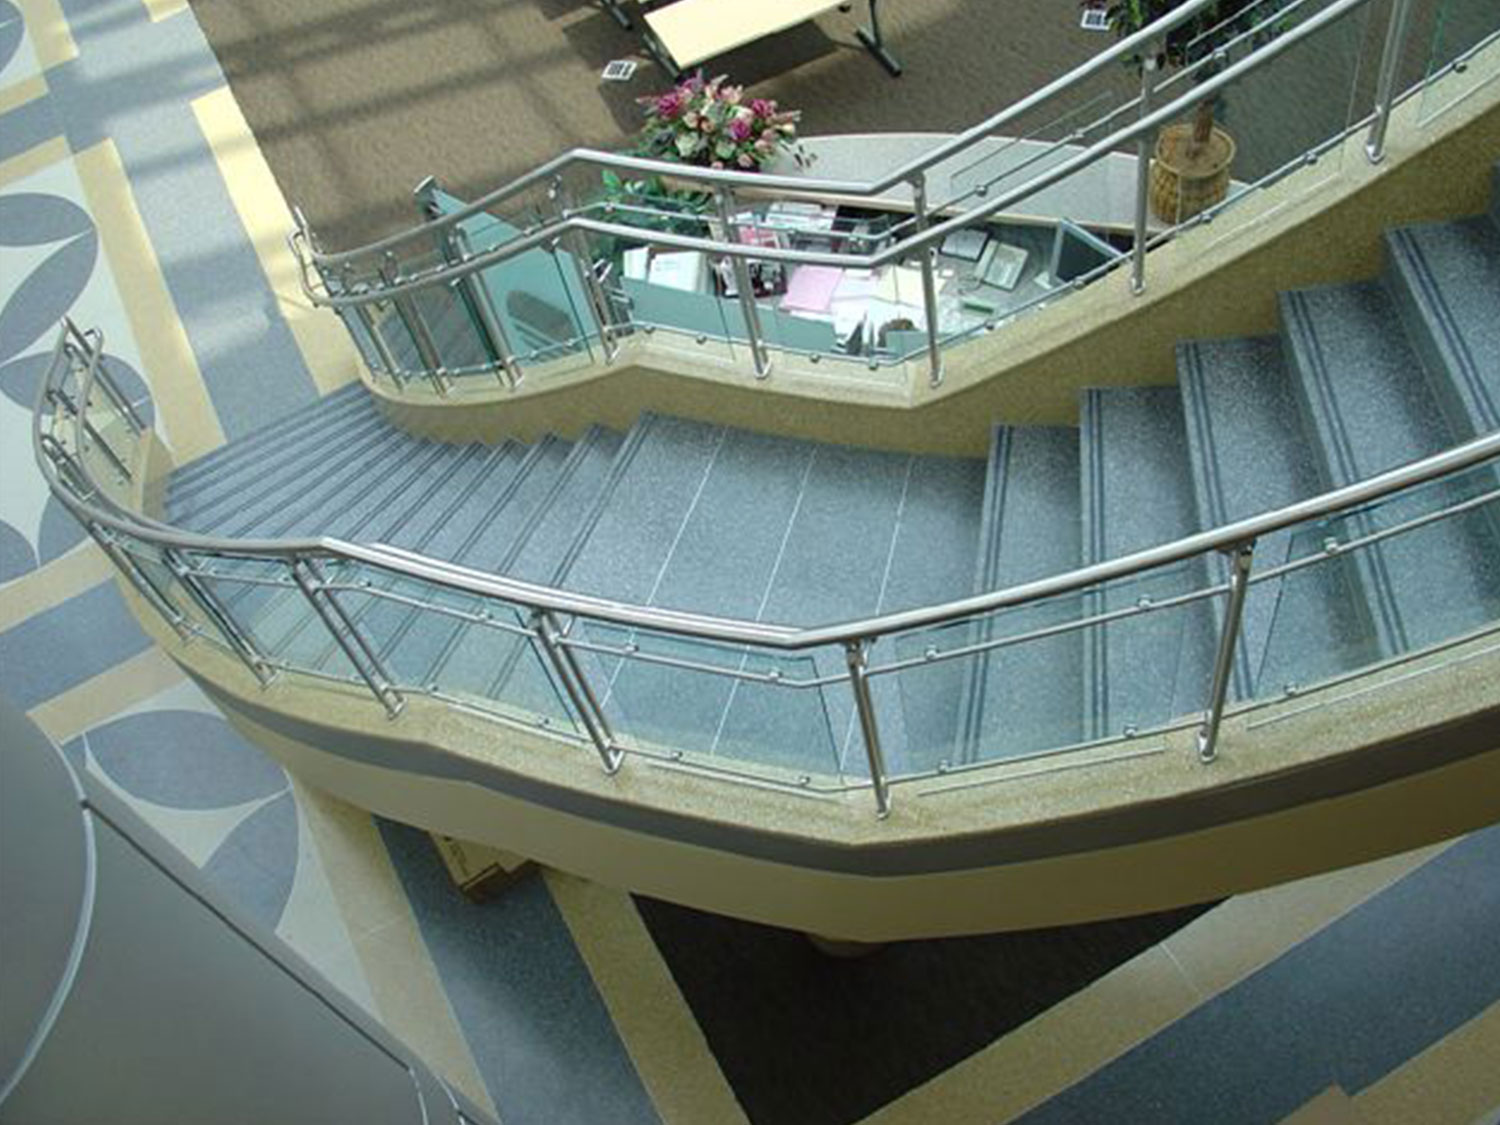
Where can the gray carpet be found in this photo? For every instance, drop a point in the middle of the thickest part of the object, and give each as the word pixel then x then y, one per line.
pixel 354 101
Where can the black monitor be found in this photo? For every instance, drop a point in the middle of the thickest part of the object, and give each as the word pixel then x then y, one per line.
pixel 1076 252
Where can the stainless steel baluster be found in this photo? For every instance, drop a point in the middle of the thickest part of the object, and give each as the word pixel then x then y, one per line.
pixel 929 282
pixel 206 600
pixel 1240 559
pixel 314 586
pixel 1144 147
pixel 416 327
pixel 857 655
pixel 1385 86
pixel 478 293
pixel 144 584
pixel 580 694
pixel 748 307
pixel 577 249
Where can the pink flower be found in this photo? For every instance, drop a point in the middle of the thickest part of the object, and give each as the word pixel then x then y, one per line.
pixel 739 129
pixel 762 108
pixel 746 160
pixel 668 105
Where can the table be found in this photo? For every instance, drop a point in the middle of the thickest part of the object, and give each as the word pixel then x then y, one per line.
pixel 688 32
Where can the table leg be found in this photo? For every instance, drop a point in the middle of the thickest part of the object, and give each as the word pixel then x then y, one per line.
pixel 621 18
pixel 875 43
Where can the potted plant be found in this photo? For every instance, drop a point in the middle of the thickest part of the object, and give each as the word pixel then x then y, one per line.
pixel 713 125
pixel 1190 170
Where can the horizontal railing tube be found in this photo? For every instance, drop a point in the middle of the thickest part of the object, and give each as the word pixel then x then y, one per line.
pixel 760 182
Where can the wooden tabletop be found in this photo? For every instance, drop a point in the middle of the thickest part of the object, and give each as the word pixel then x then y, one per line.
pixel 694 30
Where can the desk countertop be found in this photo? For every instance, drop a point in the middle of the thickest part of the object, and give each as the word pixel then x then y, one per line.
pixel 1102 195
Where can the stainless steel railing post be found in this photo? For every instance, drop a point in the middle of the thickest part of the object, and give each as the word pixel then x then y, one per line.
pixel 416 328
pixel 1143 150
pixel 314 586
pixel 748 307
pixel 929 282
pixel 580 694
pixel 1240 559
pixel 1385 85
pixel 208 602
pixel 125 562
pixel 496 338
pixel 856 653
pixel 578 250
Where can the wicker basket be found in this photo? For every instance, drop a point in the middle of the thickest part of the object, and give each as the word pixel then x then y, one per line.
pixel 1185 183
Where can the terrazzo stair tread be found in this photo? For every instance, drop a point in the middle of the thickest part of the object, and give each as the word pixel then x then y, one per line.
pixel 366 510
pixel 1360 385
pixel 278 516
pixel 368 519
pixel 537 550
pixel 641 508
pixel 833 568
pixel 1137 492
pixel 449 651
pixel 1445 279
pixel 721 561
pixel 931 561
pixel 455 514
pixel 424 515
pixel 1025 697
pixel 269 483
pixel 346 400
pixel 1250 455
pixel 338 481
pixel 540 545
pixel 207 498
pixel 339 512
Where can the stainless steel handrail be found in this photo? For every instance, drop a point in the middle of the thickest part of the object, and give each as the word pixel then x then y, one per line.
pixel 933 234
pixel 1122 49
pixel 739 631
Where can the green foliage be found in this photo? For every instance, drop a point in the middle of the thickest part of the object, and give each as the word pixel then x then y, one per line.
pixel 1206 31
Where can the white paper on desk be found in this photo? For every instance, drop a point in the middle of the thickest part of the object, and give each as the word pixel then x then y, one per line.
pixel 847 316
pixel 881 312
pixel 681 269
pixel 900 284
pixel 856 285
pixel 637 263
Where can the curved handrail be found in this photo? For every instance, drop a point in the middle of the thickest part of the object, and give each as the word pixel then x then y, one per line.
pixel 932 234
pixel 1122 49
pixel 739 631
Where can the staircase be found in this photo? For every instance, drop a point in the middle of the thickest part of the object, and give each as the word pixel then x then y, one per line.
pixel 686 515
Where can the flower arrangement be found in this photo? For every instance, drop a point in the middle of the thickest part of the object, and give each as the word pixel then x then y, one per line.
pixel 712 124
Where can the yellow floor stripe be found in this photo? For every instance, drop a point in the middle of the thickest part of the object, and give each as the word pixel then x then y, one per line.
pixel 1140 998
pixel 664 1040
pixel 47 28
pixel 34 159
pixel 28 89
pixel 159 10
pixel 1331 1107
pixel 1456 1079
pixel 53 584
pixel 383 930
pixel 107 694
pixel 170 366
pixel 325 346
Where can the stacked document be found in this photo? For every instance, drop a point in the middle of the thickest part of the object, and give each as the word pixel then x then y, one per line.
pixel 680 269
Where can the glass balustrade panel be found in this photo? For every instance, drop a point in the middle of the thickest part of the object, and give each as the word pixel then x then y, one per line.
pixel 1463 54
pixel 1338 594
pixel 735 709
pixel 1270 138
